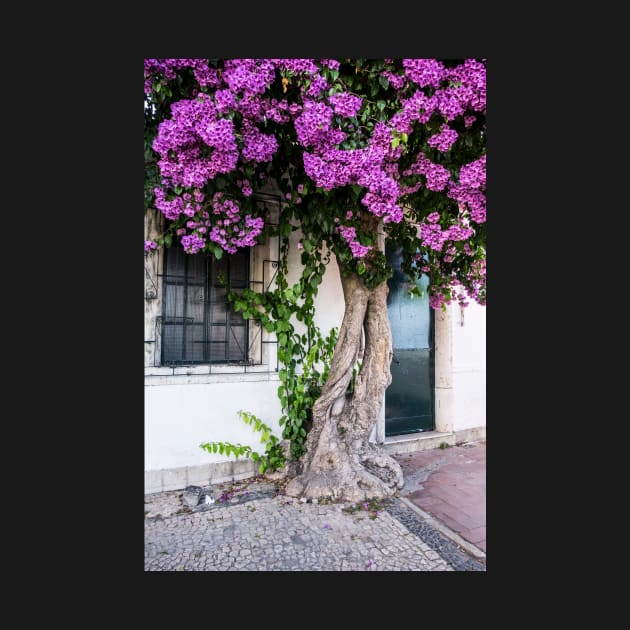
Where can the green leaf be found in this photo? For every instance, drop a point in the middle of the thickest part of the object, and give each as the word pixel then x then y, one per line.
pixel 168 240
pixel 395 142
pixel 380 105
pixel 218 253
pixel 384 81
pixel 361 268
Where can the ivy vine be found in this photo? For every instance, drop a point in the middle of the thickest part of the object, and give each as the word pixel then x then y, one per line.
pixel 272 459
pixel 304 357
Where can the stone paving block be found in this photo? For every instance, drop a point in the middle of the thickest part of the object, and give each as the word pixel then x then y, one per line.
pixel 191 496
pixel 476 535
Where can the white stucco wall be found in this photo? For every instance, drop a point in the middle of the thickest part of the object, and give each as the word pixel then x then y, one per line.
pixel 179 417
pixel 329 305
pixel 468 330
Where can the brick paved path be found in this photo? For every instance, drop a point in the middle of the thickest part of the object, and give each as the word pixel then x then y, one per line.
pixel 450 485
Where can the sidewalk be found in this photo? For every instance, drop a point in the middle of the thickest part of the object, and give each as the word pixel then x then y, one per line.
pixel 251 526
pixel 450 485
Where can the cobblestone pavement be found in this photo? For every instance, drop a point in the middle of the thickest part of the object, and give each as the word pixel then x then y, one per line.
pixel 280 534
pixel 251 526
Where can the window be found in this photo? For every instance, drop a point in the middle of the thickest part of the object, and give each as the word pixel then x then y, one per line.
pixel 199 325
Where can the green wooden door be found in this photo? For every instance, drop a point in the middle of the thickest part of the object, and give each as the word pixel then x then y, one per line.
pixel 409 398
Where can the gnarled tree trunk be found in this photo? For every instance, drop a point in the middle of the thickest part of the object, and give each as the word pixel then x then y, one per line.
pixel 340 462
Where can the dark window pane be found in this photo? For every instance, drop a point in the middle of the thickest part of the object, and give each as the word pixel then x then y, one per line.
pixel 239 270
pixel 198 322
pixel 237 346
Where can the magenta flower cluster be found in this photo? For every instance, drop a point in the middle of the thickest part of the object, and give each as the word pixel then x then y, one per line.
pixel 395 80
pixel 468 82
pixel 192 243
pixel 346 104
pixel 249 76
pixel 419 107
pixel 317 86
pixel 296 66
pixel 424 72
pixel 227 129
pixel 434 237
pixel 437 176
pixel 166 68
pixel 349 234
pixel 444 140
pixel 451 288
pixel 231 230
pixel 469 192
pixel 195 144
pixel 257 146
pixel 473 174
pixel 474 201
pixel 187 204
pixel 313 125
pixel 225 226
pixel 333 64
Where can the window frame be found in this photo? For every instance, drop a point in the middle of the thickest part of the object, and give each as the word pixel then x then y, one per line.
pixel 207 324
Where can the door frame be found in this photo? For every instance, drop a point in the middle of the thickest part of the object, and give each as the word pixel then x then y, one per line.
pixel 442 351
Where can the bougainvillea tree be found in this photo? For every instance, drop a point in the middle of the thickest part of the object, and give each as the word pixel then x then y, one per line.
pixel 361 151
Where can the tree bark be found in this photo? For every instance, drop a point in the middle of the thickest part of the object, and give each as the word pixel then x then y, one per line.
pixel 340 462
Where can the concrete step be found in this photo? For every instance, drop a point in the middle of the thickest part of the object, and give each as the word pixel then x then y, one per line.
pixel 417 441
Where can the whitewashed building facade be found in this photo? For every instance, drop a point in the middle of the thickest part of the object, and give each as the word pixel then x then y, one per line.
pixel 202 365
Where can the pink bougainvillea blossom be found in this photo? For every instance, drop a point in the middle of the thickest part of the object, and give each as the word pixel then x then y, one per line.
pixel 230 126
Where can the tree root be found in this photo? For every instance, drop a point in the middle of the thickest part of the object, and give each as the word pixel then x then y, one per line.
pixel 384 467
pixel 350 482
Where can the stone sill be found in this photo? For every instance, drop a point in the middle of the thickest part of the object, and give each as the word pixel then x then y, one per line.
pixel 417 441
pixel 200 375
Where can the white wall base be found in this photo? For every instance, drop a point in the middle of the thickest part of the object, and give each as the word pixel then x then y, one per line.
pixel 203 475
pixel 219 472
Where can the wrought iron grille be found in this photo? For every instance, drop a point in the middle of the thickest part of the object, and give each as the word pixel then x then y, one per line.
pixel 197 324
